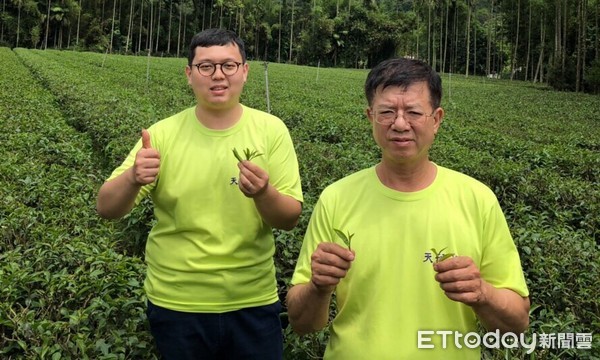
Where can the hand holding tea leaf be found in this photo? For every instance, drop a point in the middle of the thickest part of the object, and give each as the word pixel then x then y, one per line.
pixel 461 280
pixel 330 263
pixel 253 180
pixel 249 154
pixel 440 256
pixel 346 238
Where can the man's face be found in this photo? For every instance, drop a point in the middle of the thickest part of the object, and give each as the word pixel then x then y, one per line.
pixel 218 91
pixel 410 135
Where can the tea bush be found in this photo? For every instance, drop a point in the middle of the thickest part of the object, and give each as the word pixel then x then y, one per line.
pixel 72 282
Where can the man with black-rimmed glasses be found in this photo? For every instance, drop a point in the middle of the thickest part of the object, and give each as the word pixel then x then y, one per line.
pixel 210 280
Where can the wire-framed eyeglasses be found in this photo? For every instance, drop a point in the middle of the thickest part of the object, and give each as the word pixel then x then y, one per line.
pixel 388 116
pixel 208 68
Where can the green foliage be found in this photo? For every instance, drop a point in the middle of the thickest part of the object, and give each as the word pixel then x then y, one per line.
pixel 563 77
pixel 592 77
pixel 65 292
pixel 71 283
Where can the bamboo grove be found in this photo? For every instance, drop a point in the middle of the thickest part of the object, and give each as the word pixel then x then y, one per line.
pixel 550 41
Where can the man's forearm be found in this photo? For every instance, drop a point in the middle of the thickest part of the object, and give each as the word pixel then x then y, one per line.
pixel 503 310
pixel 278 210
pixel 308 308
pixel 117 196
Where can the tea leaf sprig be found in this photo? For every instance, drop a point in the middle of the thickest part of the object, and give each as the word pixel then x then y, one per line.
pixel 346 238
pixel 440 256
pixel 249 154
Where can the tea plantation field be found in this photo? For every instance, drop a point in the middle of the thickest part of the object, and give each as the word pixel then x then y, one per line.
pixel 71 283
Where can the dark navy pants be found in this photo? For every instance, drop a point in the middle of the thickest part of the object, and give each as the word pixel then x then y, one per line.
pixel 246 334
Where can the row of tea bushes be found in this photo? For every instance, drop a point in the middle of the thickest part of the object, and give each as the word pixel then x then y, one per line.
pixel 65 292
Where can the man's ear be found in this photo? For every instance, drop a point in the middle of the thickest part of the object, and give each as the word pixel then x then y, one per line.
pixel 369 114
pixel 438 117
pixel 188 74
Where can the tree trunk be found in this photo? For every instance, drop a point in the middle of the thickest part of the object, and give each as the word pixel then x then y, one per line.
pixel 60 34
pixel 179 28
pixel 170 24
pixel 441 41
pixel 579 45
pixel 468 36
pixel 292 32
pixel 597 42
pixel 184 28
pixel 528 46
pixel 203 14
pixel 597 46
pixel 557 33
pixel 488 68
pixel 538 70
pixel 446 37
pixel 455 47
pixel 500 64
pixel 241 21
pixel 112 26
pixel 221 15
pixel 279 34
pixel 157 26
pixel 18 23
pixel 47 26
pixel 150 28
pixel 416 30
pixel 2 26
pixel 474 49
pixel 429 44
pixel 129 26
pixel 139 49
pixel 564 37
pixel 210 14
pixel 516 46
pixel 78 22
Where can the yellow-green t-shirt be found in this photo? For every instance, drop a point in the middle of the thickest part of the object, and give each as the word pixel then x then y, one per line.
pixel 390 293
pixel 210 250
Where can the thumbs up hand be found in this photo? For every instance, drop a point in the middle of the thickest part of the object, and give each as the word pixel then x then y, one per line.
pixel 146 139
pixel 147 162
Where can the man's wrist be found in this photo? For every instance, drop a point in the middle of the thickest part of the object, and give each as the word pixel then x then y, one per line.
pixel 130 176
pixel 323 291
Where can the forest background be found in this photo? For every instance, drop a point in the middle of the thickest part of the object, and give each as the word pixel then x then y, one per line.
pixel 551 41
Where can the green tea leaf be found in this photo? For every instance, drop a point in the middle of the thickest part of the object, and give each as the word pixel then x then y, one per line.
pixel 341 235
pixel 248 154
pixel 346 238
pixel 437 253
pixel 444 257
pixel 237 155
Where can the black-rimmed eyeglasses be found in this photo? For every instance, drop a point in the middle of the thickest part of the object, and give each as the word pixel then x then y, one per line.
pixel 208 69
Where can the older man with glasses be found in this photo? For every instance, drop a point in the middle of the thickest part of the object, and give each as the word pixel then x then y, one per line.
pixel 431 255
pixel 210 280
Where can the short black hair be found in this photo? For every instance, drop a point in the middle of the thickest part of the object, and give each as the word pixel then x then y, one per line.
pixel 215 37
pixel 403 72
